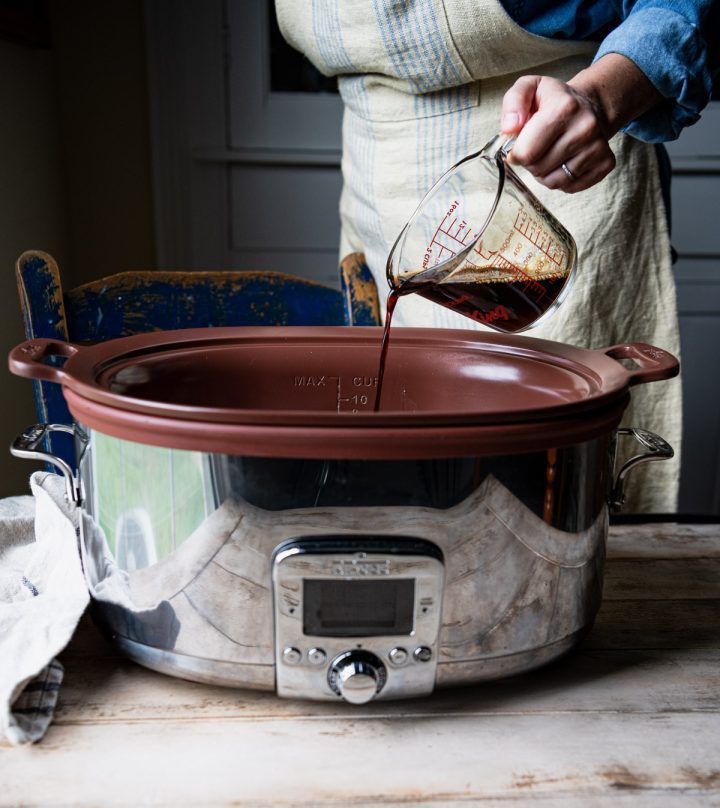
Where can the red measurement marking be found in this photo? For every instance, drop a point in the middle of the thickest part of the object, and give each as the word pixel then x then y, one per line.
pixel 530 283
pixel 498 313
pixel 528 227
pixel 451 236
pixel 459 301
pixel 486 256
pixel 516 274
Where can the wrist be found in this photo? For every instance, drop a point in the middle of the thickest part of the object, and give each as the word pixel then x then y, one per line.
pixel 618 91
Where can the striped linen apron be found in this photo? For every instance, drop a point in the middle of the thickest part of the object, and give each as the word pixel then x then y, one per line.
pixel 422 83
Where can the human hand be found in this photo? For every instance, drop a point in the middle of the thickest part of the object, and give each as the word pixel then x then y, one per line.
pixel 563 128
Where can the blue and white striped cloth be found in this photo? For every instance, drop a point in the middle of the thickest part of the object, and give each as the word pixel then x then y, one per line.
pixel 42 597
pixel 34 708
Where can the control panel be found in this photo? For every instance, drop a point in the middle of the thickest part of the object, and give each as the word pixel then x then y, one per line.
pixel 356 617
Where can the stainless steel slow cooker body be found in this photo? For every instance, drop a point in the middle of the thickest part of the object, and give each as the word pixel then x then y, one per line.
pixel 178 551
pixel 377 556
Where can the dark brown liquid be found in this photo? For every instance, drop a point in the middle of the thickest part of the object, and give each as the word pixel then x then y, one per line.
pixel 392 300
pixel 504 305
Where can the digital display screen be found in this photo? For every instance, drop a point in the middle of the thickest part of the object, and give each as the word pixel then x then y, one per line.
pixel 351 608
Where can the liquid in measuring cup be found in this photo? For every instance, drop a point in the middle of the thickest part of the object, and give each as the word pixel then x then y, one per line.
pixel 507 275
pixel 505 304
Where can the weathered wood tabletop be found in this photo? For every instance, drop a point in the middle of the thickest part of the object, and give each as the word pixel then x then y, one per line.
pixel 632 717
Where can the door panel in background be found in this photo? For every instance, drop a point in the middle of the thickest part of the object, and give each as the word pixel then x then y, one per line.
pixel 695 160
pixel 246 143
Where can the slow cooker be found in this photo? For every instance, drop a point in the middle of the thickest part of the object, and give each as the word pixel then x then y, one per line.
pixel 248 519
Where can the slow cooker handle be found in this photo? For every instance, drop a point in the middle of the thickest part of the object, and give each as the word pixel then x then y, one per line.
pixel 29 359
pixel 654 363
pixel 26 446
pixel 657 449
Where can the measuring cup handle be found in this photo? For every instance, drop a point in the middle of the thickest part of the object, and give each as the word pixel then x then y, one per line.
pixel 499 146
pixel 653 363
pixel 504 150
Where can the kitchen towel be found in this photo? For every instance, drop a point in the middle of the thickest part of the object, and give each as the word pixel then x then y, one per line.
pixel 42 597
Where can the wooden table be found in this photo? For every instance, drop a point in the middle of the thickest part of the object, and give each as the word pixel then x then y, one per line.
pixel 631 718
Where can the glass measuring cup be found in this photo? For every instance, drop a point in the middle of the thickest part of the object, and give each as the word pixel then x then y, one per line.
pixel 482 244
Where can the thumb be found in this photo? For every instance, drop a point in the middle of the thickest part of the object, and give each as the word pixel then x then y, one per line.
pixel 518 104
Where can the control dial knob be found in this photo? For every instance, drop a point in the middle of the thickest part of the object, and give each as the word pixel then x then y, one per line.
pixel 357 676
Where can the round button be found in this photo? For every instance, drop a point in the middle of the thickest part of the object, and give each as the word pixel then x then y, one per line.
pixel 423 654
pixel 291 656
pixel 357 676
pixel 398 656
pixel 316 656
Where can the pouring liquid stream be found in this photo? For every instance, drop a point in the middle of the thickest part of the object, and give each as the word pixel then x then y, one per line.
pixel 392 299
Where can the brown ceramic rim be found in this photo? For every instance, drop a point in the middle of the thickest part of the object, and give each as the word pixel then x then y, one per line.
pixel 609 379
pixel 359 442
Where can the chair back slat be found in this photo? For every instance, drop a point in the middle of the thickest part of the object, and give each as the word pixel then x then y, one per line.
pixel 362 303
pixel 42 307
pixel 137 302
pixel 41 296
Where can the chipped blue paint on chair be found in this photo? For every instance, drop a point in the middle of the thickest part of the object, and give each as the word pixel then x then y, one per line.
pixel 137 302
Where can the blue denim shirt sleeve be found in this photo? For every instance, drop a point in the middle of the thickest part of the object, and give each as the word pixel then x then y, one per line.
pixel 665 40
pixel 676 43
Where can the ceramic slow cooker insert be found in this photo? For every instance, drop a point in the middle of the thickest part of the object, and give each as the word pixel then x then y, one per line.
pixel 249 519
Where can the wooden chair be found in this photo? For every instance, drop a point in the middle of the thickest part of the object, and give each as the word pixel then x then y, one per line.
pixel 137 302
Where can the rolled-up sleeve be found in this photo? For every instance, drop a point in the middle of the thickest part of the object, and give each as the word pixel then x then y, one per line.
pixel 671 43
